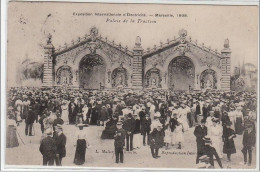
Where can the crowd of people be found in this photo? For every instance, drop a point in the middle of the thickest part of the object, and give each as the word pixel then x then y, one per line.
pixel 158 118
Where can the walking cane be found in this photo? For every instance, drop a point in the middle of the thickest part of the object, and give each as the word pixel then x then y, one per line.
pixel 20 137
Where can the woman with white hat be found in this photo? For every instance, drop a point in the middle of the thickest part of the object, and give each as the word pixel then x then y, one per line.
pixel 82 144
pixel 65 112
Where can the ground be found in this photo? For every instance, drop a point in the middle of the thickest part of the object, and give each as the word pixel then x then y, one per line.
pixel 100 153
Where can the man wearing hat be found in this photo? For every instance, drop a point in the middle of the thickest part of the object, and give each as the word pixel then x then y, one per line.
pixel 119 142
pixel 249 140
pixel 29 119
pixel 129 127
pixel 146 128
pixel 48 148
pixel 200 132
pixel 60 140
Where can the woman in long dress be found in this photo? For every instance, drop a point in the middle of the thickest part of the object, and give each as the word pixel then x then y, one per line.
pixel 11 136
pixel 229 145
pixel 232 118
pixel 82 144
pixel 137 132
pixel 65 112
pixel 215 133
pixel 239 121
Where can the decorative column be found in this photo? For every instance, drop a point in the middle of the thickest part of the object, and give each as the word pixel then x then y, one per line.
pixel 225 67
pixel 48 76
pixel 137 82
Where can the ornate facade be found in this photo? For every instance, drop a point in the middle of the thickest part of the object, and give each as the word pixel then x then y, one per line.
pixel 93 62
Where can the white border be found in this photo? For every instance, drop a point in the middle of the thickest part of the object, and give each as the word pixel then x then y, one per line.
pixel 3 87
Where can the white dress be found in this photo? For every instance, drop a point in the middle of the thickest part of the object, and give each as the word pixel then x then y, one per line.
pixel 65 113
pixel 85 111
pixel 179 137
pixel 232 118
pixel 215 133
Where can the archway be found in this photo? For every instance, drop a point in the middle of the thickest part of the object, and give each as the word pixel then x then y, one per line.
pixel 92 71
pixel 64 75
pixel 119 77
pixel 153 78
pixel 181 73
pixel 208 79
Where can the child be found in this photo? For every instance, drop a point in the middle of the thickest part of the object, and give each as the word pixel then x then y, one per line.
pixel 228 135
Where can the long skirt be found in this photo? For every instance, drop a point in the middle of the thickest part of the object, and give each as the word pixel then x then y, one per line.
pixel 80 152
pixel 239 126
pixel 137 140
pixel 11 137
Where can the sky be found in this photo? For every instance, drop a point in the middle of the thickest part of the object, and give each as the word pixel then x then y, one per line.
pixel 30 22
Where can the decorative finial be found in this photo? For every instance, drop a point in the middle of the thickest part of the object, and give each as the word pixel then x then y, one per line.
pixel 78 40
pixel 72 42
pixel 126 48
pixel 119 46
pixel 183 33
pixel 93 31
pixel 113 42
pixel 226 43
pixel 138 41
pixel 49 38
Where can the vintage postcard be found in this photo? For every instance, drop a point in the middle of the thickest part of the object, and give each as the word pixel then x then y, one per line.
pixel 145 86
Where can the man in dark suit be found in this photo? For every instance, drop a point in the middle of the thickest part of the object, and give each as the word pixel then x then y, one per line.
pixel 200 132
pixel 29 119
pixel 156 143
pixel 48 148
pixel 119 142
pixel 60 140
pixel 129 127
pixel 197 112
pixel 71 111
pixel 146 128
pixel 58 120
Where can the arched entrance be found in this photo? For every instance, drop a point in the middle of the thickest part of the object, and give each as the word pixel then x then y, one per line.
pixel 92 71
pixel 153 78
pixel 181 73
pixel 208 79
pixel 119 77
pixel 64 75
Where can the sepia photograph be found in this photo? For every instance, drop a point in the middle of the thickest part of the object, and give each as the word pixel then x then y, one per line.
pixel 131 86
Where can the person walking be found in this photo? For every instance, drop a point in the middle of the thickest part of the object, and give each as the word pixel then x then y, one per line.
pixel 200 132
pixel 146 128
pixel 48 148
pixel 229 145
pixel 129 127
pixel 119 142
pixel 60 140
pixel 81 146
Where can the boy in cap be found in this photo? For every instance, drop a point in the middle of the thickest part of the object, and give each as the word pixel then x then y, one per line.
pixel 119 142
